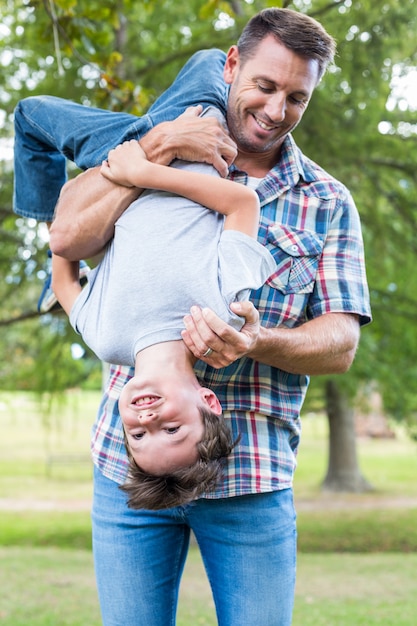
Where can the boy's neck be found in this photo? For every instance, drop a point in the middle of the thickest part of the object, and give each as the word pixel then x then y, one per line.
pixel 170 357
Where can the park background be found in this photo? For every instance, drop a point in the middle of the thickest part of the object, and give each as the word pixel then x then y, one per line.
pixel 355 485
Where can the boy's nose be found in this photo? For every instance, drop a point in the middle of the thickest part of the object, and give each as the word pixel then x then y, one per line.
pixel 145 417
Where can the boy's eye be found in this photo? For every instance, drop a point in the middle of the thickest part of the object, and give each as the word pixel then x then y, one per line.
pixel 137 435
pixel 172 430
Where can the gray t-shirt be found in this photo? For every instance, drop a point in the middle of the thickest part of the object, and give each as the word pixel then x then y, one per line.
pixel 168 253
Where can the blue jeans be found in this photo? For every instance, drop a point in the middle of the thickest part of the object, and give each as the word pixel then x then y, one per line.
pixel 50 130
pixel 248 546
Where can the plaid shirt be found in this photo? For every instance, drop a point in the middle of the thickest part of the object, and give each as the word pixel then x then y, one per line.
pixel 311 226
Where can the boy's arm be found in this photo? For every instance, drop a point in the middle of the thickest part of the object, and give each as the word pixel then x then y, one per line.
pixel 65 281
pixel 87 209
pixel 89 205
pixel 127 165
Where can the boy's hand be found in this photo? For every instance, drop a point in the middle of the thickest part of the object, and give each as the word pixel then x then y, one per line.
pixel 123 165
pixel 204 330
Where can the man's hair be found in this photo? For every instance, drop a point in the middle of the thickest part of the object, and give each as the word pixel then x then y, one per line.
pixel 296 31
pixel 154 492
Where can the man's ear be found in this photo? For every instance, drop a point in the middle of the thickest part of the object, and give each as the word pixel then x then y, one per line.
pixel 211 400
pixel 231 66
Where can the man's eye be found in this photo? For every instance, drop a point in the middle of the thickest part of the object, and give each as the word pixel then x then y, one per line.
pixel 297 100
pixel 172 430
pixel 265 88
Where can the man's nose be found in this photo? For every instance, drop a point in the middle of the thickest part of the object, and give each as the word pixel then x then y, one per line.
pixel 276 107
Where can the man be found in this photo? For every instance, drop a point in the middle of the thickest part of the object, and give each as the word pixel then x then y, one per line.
pixel 310 312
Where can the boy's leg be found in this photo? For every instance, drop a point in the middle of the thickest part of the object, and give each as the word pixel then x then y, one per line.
pixel 199 82
pixel 248 545
pixel 50 130
pixel 139 558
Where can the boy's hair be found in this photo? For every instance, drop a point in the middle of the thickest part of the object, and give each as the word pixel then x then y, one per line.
pixel 154 492
pixel 296 31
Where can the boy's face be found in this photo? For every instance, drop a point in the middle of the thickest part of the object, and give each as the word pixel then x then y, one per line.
pixel 162 424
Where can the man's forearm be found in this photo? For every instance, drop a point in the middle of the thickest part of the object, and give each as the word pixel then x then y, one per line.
pixel 88 207
pixel 90 204
pixel 325 345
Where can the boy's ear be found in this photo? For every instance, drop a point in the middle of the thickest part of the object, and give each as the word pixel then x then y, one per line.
pixel 209 397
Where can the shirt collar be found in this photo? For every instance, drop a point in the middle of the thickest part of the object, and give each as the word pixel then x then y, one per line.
pixel 286 174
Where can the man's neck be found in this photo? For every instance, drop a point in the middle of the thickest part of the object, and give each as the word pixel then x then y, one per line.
pixel 256 165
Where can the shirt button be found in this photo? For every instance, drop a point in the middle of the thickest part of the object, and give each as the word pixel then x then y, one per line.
pixel 294 248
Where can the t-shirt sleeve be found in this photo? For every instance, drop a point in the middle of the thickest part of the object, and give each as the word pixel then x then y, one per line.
pixel 244 264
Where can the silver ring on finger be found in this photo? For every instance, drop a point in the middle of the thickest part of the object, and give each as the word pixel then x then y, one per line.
pixel 208 352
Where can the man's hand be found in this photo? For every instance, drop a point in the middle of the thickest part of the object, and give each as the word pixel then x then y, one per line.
pixel 191 138
pixel 90 204
pixel 323 345
pixel 204 329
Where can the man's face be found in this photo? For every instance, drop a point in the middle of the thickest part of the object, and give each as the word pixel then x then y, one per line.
pixel 268 96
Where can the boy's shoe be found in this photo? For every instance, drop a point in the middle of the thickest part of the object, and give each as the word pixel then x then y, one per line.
pixel 48 300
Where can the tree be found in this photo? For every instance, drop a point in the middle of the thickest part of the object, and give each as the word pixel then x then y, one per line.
pixel 97 54
pixel 343 473
pixel 372 147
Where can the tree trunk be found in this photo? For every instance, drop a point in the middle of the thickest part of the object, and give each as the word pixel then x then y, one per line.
pixel 343 473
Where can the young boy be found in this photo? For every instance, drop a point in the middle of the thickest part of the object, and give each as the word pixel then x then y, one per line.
pixel 168 253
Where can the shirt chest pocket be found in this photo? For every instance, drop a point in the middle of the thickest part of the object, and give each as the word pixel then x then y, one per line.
pixel 297 254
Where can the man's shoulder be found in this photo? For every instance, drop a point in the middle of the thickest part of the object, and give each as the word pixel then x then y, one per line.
pixel 317 177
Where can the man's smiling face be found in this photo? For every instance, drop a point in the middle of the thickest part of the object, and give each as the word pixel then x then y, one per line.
pixel 268 95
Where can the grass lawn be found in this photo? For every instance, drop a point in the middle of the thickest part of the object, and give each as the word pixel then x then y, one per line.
pixel 55 587
pixel 356 590
pixel 357 552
